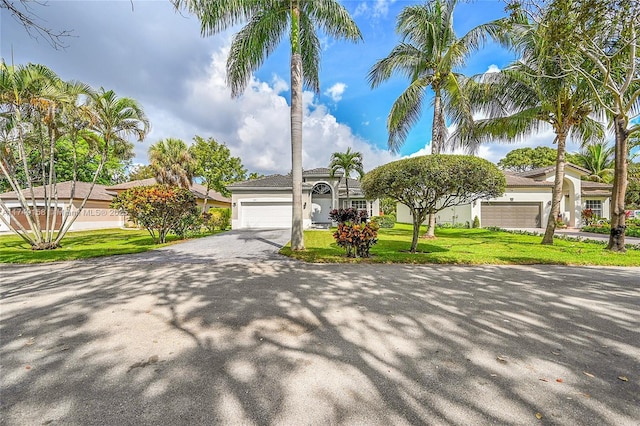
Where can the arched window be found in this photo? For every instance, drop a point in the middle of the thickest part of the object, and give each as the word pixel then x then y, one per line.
pixel 321 188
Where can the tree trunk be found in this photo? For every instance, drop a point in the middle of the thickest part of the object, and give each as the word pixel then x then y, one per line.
pixel 437 143
pixel 618 216
pixel 297 236
pixel 556 196
pixel 418 218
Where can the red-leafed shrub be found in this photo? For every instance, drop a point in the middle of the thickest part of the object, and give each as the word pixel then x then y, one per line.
pixel 354 233
pixel 160 209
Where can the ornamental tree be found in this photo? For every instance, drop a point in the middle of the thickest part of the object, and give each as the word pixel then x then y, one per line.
pixel 159 208
pixel 432 183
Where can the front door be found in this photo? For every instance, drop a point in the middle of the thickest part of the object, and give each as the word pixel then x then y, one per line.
pixel 321 208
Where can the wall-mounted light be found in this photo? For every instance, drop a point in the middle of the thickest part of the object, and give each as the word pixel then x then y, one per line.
pixel 234 204
pixel 305 206
pixel 511 199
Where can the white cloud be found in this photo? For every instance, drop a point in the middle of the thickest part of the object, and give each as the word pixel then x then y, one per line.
pixel 493 68
pixel 256 126
pixel 379 9
pixel 336 91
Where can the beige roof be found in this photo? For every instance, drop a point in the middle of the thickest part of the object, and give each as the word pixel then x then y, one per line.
pixel 197 189
pixel 517 180
pixel 99 192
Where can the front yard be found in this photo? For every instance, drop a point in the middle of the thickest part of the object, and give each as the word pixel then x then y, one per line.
pixel 81 245
pixel 465 246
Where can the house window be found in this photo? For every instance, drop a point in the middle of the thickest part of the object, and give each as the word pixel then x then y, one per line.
pixel 595 206
pixel 359 204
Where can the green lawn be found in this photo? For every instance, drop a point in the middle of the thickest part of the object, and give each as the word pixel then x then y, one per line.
pixel 465 246
pixel 80 245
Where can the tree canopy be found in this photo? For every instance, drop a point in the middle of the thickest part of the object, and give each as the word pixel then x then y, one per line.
pixel 525 159
pixel 431 183
pixel 215 165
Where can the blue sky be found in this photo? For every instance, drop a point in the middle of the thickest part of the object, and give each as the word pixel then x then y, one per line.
pixel 149 52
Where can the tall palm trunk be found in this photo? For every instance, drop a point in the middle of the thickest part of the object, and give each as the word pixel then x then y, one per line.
pixel 556 197
pixel 437 143
pixel 297 236
pixel 618 216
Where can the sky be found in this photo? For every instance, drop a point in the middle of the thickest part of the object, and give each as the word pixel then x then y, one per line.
pixel 147 51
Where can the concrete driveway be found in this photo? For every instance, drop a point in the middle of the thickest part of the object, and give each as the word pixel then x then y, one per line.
pixel 187 338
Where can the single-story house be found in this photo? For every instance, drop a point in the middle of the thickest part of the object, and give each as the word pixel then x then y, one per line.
pixel 526 202
pixel 267 202
pixel 96 214
pixel 213 198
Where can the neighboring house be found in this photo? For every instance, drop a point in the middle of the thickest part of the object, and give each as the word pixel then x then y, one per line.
pixel 267 202
pixel 214 199
pixel 96 213
pixel 526 202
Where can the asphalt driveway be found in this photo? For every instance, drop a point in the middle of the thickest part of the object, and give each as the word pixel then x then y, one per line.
pixel 186 336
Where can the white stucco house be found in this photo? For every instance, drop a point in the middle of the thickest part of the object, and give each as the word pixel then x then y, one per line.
pixel 526 202
pixel 267 202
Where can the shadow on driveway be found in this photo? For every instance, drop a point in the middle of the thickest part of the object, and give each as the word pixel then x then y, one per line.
pixel 282 342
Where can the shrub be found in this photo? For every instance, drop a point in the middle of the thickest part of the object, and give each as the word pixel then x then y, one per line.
pixel 476 222
pixel 588 216
pixel 354 234
pixel 386 221
pixel 606 229
pixel 217 218
pixel 188 225
pixel 158 208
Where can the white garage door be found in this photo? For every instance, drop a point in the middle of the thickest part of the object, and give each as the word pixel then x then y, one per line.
pixel 265 214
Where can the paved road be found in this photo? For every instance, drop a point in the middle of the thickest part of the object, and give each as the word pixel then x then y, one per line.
pixel 182 337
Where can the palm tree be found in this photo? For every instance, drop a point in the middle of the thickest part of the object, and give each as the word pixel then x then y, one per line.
pixel 530 93
pixel 598 159
pixel 266 24
pixel 172 162
pixel 105 122
pixel 347 162
pixel 429 54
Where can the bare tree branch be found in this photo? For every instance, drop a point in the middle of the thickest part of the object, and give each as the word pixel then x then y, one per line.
pixel 23 12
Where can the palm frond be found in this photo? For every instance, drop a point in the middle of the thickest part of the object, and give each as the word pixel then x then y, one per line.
pixel 251 46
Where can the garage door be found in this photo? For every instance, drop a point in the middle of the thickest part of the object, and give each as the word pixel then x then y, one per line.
pixel 265 214
pixel 511 215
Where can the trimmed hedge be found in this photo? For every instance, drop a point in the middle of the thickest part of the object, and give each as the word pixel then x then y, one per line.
pixel 629 232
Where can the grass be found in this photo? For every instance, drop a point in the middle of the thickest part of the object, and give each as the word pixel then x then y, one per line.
pixel 465 246
pixel 81 245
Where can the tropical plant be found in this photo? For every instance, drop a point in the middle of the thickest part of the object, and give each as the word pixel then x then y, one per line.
pixel 172 163
pixel 429 54
pixel 432 183
pixel 598 159
pixel 266 23
pixel 49 125
pixel 355 233
pixel 346 162
pixel 158 208
pixel 216 166
pixel 532 92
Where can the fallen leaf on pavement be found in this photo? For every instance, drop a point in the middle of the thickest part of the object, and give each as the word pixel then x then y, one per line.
pixel 559 380
pixel 538 416
pixel 623 378
pixel 27 367
pixel 588 374
pixel 501 359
